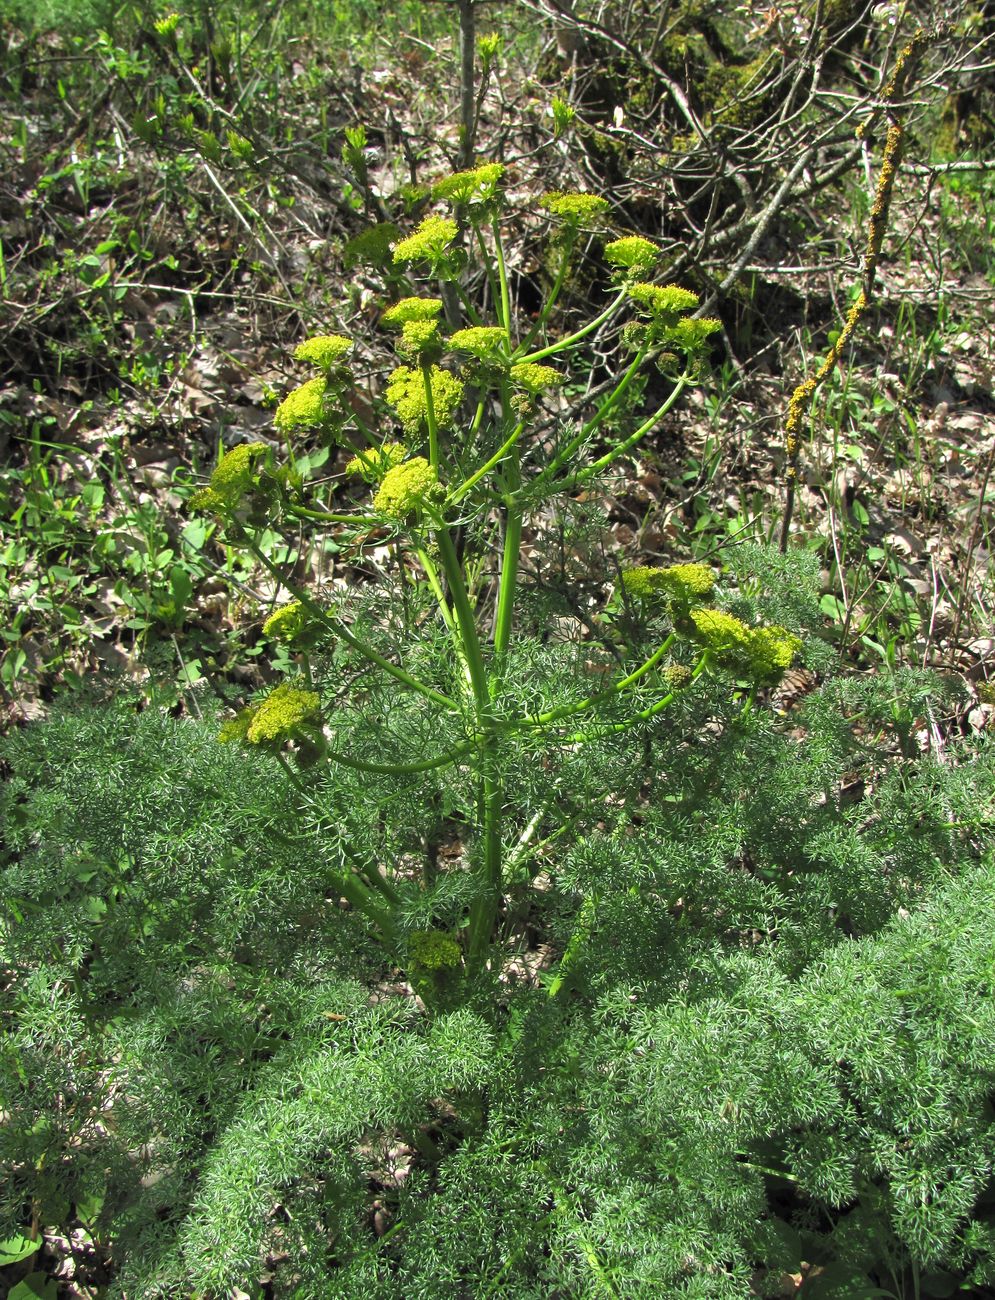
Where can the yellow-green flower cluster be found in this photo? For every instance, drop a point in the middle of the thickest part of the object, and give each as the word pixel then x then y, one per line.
pixel 412 309
pixel 305 407
pixel 534 377
pixel 324 350
pixel 683 582
pixel 690 335
pixel 406 489
pixel 574 209
pixel 420 341
pixel 720 631
pixel 478 185
pixel 632 254
pixel 290 623
pixel 406 394
pixel 374 462
pixel 232 479
pixel 687 580
pixel 764 652
pixel 666 301
pixel 167 26
pixel 485 342
pixel 640 582
pixel 428 242
pixel 772 651
pixel 286 713
pixel 434 950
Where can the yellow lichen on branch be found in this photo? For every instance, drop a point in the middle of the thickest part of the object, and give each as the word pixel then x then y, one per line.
pixel 876 226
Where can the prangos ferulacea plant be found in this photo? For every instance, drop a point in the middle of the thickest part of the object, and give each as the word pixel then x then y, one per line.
pixel 489 445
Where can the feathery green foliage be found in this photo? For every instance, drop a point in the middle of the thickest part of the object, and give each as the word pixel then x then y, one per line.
pixel 491 958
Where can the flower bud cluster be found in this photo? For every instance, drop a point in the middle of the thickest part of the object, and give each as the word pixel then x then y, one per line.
pixel 407 489
pixel 287 713
pixel 234 477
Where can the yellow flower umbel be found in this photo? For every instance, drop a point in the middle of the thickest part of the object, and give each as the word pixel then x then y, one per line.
pixel 575 210
pixel 721 632
pixel 406 394
pixel 233 478
pixel 373 463
pixel 434 962
pixel 631 255
pixel 167 25
pixel 476 187
pixel 304 408
pixel 535 378
pixel 292 624
pixel 287 713
pixel 485 342
pixel 763 653
pixel 324 351
pixel 434 950
pixel 420 341
pixel 407 489
pixel 772 651
pixel 683 583
pixel 664 302
pixel 409 309
pixel 690 335
pixel 429 242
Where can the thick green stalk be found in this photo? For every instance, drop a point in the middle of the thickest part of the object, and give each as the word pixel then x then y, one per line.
pixel 644 715
pixel 553 295
pixel 488 264
pixel 430 420
pixel 402 769
pixel 467 624
pixel 351 886
pixel 327 517
pixel 433 581
pixel 503 280
pixel 581 933
pixel 491 795
pixel 509 559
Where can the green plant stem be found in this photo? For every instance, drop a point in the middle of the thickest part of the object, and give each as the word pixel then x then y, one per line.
pixel 430 420
pixel 350 887
pixel 583 476
pixel 478 416
pixel 472 315
pixel 644 715
pixel 327 517
pixel 581 932
pixel 509 560
pixel 491 795
pixel 496 459
pixel 339 629
pixel 578 440
pixel 502 280
pixel 434 582
pixel 402 769
pixel 554 293
pixel 373 877
pixel 488 262
pixel 577 335
pixel 592 701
